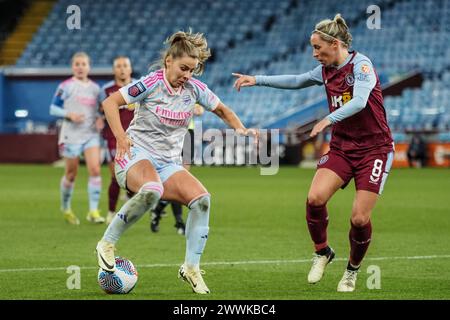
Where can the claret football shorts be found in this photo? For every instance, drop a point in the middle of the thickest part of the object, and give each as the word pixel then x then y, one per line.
pixel 370 171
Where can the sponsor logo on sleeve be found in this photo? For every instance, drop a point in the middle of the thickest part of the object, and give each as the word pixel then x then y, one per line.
pixel 136 89
pixel 363 77
pixel 365 68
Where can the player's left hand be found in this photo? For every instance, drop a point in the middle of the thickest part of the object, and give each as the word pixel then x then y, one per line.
pixel 99 124
pixel 243 80
pixel 319 127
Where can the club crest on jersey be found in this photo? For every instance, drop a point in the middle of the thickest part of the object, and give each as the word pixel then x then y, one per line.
pixel 349 79
pixel 136 89
pixel 323 159
pixel 186 100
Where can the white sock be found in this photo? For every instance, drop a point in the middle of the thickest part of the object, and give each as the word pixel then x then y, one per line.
pixel 197 230
pixel 147 198
pixel 66 190
pixel 94 190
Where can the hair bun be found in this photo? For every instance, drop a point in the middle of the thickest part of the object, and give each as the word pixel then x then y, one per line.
pixel 178 37
pixel 339 20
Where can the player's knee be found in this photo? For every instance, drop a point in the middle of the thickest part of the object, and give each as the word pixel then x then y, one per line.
pixel 201 203
pixel 156 189
pixel 360 219
pixel 316 199
pixel 70 176
pixel 94 172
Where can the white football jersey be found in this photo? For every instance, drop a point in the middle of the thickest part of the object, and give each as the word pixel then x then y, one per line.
pixel 81 97
pixel 163 116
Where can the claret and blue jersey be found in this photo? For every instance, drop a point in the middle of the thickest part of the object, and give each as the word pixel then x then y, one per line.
pixel 361 125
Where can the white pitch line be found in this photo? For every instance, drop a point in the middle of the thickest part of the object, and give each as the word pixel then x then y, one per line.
pixel 224 263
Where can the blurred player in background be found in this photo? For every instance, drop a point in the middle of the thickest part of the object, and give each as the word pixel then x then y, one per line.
pixel 76 101
pixel 361 146
pixel 148 157
pixel 188 158
pixel 122 76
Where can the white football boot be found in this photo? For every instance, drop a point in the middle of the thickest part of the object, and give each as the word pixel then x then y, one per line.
pixel 105 255
pixel 194 278
pixel 318 266
pixel 348 281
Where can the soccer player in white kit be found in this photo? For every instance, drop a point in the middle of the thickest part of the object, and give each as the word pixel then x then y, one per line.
pixel 148 158
pixel 76 101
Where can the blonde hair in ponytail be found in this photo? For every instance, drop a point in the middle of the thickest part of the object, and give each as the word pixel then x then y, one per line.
pixel 336 29
pixel 188 43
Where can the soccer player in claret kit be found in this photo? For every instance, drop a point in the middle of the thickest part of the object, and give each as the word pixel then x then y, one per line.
pixel 361 145
pixel 148 155
pixel 122 76
pixel 76 101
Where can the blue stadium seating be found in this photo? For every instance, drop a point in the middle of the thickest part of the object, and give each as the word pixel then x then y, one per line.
pixel 426 108
pixel 265 37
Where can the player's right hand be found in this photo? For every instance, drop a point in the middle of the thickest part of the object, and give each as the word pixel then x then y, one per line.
pixel 75 117
pixel 123 147
pixel 243 81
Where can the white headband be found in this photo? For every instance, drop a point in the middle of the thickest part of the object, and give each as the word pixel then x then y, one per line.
pixel 326 34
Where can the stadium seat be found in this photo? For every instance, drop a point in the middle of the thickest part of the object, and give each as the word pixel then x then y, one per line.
pixel 265 37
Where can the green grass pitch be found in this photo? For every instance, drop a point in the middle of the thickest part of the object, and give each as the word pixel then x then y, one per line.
pixel 258 247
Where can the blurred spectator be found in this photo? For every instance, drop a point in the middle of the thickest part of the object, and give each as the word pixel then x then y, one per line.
pixel 417 152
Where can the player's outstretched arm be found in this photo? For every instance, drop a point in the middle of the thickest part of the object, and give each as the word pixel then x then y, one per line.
pixel 232 120
pixel 299 81
pixel 111 109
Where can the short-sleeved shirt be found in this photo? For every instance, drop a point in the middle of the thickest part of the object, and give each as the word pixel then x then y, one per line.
pixel 161 120
pixel 81 97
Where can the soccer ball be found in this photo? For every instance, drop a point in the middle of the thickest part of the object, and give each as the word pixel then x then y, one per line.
pixel 121 281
